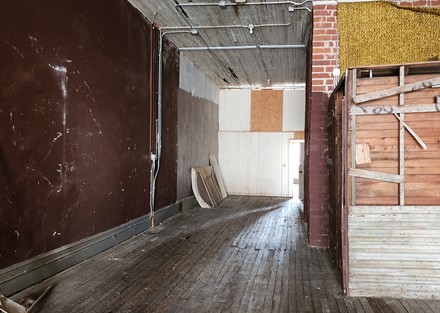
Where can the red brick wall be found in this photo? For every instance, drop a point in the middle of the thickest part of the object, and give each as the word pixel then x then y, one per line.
pixel 316 171
pixel 323 59
pixel 324 47
pixel 420 3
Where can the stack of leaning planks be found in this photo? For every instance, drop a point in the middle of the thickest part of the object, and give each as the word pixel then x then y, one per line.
pixel 207 184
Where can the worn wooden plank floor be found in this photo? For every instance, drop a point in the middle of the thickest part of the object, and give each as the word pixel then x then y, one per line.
pixel 247 255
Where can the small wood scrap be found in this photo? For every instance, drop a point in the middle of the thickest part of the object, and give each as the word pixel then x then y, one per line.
pixel 10 306
pixel 205 187
pixel 27 305
pixel 363 155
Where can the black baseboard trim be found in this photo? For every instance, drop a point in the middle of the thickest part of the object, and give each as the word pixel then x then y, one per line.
pixel 22 275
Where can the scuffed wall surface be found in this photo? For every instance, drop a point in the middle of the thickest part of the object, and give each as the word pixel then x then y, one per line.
pixel 74 122
pixel 198 122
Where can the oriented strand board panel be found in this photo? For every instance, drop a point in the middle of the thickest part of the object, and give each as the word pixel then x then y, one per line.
pixel 294 103
pixel 299 135
pixel 235 110
pixel 267 111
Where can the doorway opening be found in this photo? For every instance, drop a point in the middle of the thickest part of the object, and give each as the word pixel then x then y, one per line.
pixel 296 168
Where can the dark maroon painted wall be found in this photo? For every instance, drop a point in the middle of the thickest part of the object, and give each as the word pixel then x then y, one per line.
pixel 166 189
pixel 75 103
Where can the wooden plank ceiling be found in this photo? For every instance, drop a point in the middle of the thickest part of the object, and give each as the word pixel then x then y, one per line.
pixel 273 25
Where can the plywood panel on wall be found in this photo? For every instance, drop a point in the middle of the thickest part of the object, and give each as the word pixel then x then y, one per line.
pixel 235 110
pixel 294 102
pixel 267 111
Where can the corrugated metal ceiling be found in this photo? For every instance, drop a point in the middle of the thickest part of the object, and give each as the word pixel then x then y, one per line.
pixel 238 68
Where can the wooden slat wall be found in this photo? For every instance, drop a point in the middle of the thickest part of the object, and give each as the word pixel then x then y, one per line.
pixel 394 251
pixel 384 151
pixel 267 111
pixel 381 132
pixel 334 164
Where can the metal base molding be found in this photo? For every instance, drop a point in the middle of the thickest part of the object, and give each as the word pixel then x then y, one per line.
pixel 24 274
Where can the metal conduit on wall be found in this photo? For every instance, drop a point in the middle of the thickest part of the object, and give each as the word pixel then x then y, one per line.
pixel 155 158
pixel 223 4
pixel 224 26
pixel 301 46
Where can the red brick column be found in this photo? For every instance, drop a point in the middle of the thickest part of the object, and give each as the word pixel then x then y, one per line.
pixel 420 3
pixel 322 61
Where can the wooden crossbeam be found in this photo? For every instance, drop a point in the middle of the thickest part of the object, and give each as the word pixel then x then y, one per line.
pixel 412 132
pixel 396 90
pixel 390 109
pixel 392 178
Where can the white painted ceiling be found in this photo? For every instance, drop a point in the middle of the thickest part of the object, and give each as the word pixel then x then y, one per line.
pixel 261 67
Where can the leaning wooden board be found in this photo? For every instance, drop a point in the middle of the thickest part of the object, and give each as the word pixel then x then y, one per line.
pixel 205 187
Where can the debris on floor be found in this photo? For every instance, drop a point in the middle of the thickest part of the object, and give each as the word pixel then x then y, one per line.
pixel 26 305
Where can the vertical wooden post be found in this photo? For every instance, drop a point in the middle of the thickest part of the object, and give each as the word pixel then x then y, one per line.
pixel 402 138
pixel 346 180
pixel 353 138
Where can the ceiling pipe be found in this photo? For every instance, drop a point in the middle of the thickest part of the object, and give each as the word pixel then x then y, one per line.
pixel 224 26
pixel 301 46
pixel 223 4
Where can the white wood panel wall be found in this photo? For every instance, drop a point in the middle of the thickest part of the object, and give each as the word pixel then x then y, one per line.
pixel 294 110
pixel 394 251
pixel 192 80
pixel 234 161
pixel 235 110
pixel 256 163
pixel 268 166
